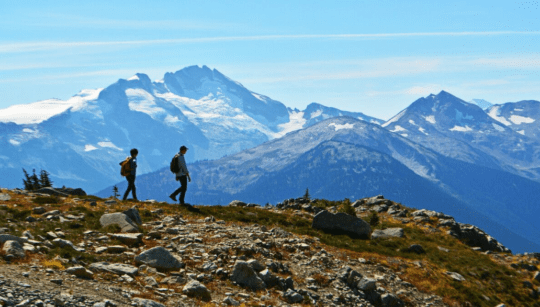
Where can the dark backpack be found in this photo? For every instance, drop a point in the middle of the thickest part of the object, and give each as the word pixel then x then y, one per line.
pixel 125 170
pixel 175 167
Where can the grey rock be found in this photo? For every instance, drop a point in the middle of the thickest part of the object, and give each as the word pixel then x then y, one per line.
pixel 209 266
pixel 160 258
pixel 416 248
pixel 256 265
pixel 63 243
pixel 79 271
pixel 390 300
pixel 455 276
pixel 196 289
pixel 6 237
pixel 128 238
pixel 151 281
pixel 388 233
pixel 237 203
pixel 367 284
pixel 116 249
pixel 141 302
pixel 134 215
pixel 537 276
pixel 269 279
pixel 38 210
pixel 292 296
pixel 14 248
pixel 244 275
pixel 51 191
pixel 327 221
pixel 4 197
pixel 115 268
pixel 120 219
pixel 231 301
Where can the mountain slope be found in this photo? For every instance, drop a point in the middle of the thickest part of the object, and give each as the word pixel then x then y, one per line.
pixel 344 157
pixel 463 131
pixel 523 117
pixel 80 141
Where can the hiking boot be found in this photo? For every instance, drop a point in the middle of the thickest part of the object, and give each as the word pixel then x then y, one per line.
pixel 173 197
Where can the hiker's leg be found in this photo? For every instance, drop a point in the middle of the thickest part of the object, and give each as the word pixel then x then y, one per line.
pixel 183 188
pixel 134 189
pixel 131 186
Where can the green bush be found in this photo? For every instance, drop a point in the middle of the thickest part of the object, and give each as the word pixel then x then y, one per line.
pixel 373 218
pixel 346 207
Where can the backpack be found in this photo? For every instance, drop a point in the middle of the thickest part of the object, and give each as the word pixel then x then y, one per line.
pixel 125 170
pixel 175 167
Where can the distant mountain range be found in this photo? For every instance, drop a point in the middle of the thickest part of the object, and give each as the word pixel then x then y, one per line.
pixel 81 141
pixel 476 161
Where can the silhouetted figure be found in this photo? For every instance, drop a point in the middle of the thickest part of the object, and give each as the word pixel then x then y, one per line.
pixel 183 176
pixel 131 177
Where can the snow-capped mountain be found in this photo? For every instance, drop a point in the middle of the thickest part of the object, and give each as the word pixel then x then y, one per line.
pixel 345 157
pixel 464 131
pixel 80 141
pixel 483 104
pixel 523 117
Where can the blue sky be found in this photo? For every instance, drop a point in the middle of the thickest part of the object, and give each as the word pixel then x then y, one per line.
pixel 374 57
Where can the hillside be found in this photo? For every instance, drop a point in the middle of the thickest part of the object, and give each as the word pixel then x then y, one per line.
pixel 250 255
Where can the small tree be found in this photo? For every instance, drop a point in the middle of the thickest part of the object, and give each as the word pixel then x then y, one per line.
pixel 44 179
pixel 373 218
pixel 115 192
pixel 306 195
pixel 35 180
pixel 346 207
pixel 27 181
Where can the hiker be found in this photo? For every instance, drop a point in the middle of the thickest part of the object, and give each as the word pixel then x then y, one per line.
pixel 182 175
pixel 131 176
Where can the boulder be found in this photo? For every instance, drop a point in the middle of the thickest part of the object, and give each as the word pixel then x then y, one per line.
pixel 51 191
pixel 455 276
pixel 237 203
pixel 341 222
pixel 415 248
pixel 63 243
pixel 390 300
pixel 196 289
pixel 160 258
pixel 79 271
pixel 115 268
pixel 245 276
pixel 269 279
pixel 256 265
pixel 120 219
pixel 367 284
pixel 142 302
pixel 134 215
pixel 388 233
pixel 292 296
pixel 4 197
pixel 6 237
pixel 14 248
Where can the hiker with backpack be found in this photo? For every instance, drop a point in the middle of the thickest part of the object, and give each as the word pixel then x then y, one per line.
pixel 179 168
pixel 129 170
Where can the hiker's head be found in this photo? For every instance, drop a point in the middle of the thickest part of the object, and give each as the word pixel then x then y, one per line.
pixel 183 149
pixel 134 152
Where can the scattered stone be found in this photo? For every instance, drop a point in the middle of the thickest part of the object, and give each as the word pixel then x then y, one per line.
pixel 133 214
pixel 116 268
pixel 160 258
pixel 119 219
pixel 292 296
pixel 14 248
pixel 416 248
pixel 455 276
pixel 244 275
pixel 79 271
pixel 38 210
pixel 141 302
pixel 4 197
pixel 196 289
pixel 388 233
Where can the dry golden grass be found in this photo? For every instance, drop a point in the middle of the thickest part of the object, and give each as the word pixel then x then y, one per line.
pixel 55 264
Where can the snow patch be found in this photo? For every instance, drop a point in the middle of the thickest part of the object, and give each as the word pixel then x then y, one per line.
pixel 497 127
pixel 108 145
pixel 404 135
pixel 89 147
pixel 518 120
pixel 296 122
pixel 34 113
pixel 430 119
pixel 339 127
pixel 518 110
pixel 135 77
pixel 412 122
pixel 28 130
pixel 142 101
pixel 522 132
pixel 422 130
pixel 14 142
pixel 395 118
pixel 398 128
pixel 494 113
pixel 315 114
pixel 461 129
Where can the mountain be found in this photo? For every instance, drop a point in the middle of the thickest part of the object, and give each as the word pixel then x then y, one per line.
pixel 523 117
pixel 463 131
pixel 345 157
pixel 483 104
pixel 81 141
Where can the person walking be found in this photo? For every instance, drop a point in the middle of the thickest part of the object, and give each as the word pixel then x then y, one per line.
pixel 133 173
pixel 183 176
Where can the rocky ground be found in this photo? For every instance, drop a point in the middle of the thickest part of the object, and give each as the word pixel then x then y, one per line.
pixel 93 252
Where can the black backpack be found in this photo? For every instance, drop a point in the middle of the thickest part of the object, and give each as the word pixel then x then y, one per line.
pixel 175 168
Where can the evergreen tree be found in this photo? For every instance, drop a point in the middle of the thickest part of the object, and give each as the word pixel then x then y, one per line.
pixel 35 180
pixel 44 179
pixel 115 191
pixel 27 181
pixel 306 195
